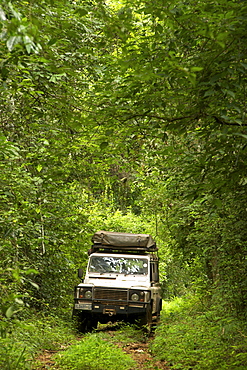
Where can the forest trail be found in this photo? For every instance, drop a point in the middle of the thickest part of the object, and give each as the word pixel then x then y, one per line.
pixel 137 349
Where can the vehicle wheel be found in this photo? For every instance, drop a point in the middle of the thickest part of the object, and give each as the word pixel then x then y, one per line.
pixel 82 324
pixel 92 324
pixel 146 320
pixel 157 317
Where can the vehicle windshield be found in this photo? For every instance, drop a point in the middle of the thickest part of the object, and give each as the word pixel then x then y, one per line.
pixel 118 265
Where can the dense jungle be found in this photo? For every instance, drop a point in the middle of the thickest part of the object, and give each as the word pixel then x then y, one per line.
pixel 126 116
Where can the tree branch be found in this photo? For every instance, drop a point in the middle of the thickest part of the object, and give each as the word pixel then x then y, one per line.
pixel 223 122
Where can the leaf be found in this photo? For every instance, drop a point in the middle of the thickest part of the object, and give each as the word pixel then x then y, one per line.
pixel 34 285
pixel 39 168
pixel 2 139
pixel 30 271
pixel 244 65
pixel 9 312
pixel 42 60
pixel 209 93
pixel 217 202
pixel 222 36
pixel 239 134
pixel 109 132
pixel 2 15
pixel 16 14
pixel 231 93
pixel 196 69
pixel 52 41
pixel 12 41
pixel 19 301
pixel 159 28
pixel 104 145
pixel 81 11
pixel 29 44
pixel 243 181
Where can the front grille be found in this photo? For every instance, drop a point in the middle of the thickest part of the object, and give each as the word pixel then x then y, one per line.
pixel 112 294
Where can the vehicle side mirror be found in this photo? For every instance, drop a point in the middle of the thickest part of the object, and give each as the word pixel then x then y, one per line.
pixel 80 273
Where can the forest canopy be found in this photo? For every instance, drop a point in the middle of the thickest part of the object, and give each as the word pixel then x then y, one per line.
pixel 126 116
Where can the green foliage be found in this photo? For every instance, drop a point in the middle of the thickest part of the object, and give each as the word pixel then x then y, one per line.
pixel 123 333
pixel 129 116
pixel 21 341
pixel 13 356
pixel 94 353
pixel 13 299
pixel 105 218
pixel 195 336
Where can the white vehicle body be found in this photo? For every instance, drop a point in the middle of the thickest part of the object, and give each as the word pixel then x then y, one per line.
pixel 118 286
pixel 118 278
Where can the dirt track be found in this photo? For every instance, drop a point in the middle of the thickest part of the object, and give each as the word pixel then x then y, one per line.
pixel 140 353
pixel 138 350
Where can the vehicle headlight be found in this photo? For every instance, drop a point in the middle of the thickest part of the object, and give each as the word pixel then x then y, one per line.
pixel 134 297
pixel 88 294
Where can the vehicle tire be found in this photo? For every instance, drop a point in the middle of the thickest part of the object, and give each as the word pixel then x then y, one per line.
pixel 82 324
pixel 146 319
pixel 85 323
pixel 91 324
pixel 158 313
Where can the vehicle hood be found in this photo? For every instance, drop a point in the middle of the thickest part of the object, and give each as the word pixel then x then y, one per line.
pixel 117 281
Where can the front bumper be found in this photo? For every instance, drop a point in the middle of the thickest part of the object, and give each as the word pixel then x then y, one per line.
pixel 111 301
pixel 111 308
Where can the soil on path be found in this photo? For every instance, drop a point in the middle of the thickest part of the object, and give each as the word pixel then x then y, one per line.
pixel 141 354
pixel 138 350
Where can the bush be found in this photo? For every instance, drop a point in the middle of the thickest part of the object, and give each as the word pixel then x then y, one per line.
pixel 193 336
pixel 13 356
pixel 21 341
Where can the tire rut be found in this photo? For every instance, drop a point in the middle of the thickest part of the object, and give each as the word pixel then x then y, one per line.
pixel 138 350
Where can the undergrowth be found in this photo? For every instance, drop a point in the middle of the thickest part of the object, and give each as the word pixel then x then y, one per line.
pixel 193 336
pixel 94 353
pixel 22 340
pixel 123 332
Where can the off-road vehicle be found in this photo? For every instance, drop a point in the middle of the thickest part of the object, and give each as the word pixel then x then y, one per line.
pixel 121 282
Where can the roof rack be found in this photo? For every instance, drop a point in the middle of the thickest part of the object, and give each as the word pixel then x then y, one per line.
pixel 123 242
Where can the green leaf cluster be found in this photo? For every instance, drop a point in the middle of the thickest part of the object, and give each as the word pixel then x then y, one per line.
pixel 193 336
pixel 129 116
pixel 22 341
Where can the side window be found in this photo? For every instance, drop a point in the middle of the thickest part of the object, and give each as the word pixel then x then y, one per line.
pixel 154 272
pixel 157 272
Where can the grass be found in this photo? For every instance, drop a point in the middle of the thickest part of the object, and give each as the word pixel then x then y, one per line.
pixel 193 336
pixel 22 340
pixel 124 333
pixel 94 353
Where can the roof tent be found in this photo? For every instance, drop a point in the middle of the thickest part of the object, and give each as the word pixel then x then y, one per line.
pixel 124 241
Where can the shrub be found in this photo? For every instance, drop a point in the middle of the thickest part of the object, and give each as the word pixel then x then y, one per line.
pixel 193 336
pixel 21 341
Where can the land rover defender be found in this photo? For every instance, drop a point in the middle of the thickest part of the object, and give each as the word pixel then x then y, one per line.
pixel 121 282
